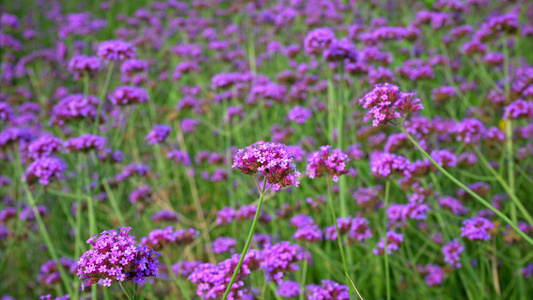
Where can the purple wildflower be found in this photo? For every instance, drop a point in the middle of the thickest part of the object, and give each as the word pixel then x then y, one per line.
pixel 158 134
pixel 223 244
pixel 115 257
pixel 327 160
pixel 272 160
pixel 299 114
pixel 452 251
pixel 128 95
pixel 84 143
pixel 476 229
pixel 116 50
pixel 81 65
pixel 327 290
pixel 44 146
pixel 45 170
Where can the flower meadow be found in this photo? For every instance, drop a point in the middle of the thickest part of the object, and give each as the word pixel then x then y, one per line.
pixel 320 150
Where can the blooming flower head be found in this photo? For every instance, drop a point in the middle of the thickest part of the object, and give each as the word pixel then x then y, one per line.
pixel 280 259
pixel 317 40
pixel 329 161
pixel 384 164
pixel 476 229
pixel 114 257
pixel 223 244
pixel 518 109
pixel 116 50
pixel 328 290
pixel 75 106
pixel 272 160
pixel 299 114
pixel 393 243
pixel 452 251
pixel 127 95
pixel 289 289
pixel 45 170
pixel 44 146
pixel 386 102
pixel 81 65
pixel 158 134
pixel 84 143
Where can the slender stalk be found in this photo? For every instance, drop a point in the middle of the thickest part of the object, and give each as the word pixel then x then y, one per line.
pixel 248 240
pixel 174 277
pixel 510 162
pixel 302 278
pixel 102 95
pixel 48 240
pixel 386 253
pixel 468 190
pixel 126 291
pixel 339 237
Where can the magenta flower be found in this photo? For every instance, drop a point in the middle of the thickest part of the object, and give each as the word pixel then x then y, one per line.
pixel 116 50
pixel 476 229
pixel 45 170
pixel 272 160
pixel 329 161
pixel 81 65
pixel 452 251
pixel 114 257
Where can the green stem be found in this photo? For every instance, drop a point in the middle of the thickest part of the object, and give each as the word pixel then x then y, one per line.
pixel 385 252
pixel 248 240
pixel 505 186
pixel 469 191
pixel 510 168
pixel 339 237
pixel 102 95
pixel 126 291
pixel 176 280
pixel 48 240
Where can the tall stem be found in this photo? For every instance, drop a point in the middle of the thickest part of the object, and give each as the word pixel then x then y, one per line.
pixel 248 240
pixel 126 291
pixel 102 95
pixel 386 253
pixel 469 191
pixel 339 237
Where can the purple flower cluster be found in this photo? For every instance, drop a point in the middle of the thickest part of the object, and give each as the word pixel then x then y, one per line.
pixel 452 251
pixel 116 50
pixel 223 244
pixel 114 257
pixel 49 272
pixel 82 65
pixel 158 134
pixel 158 238
pixel 476 229
pixel 385 164
pixel 332 162
pixel 393 243
pixel 327 290
pixel 44 146
pixel 75 106
pixel 386 102
pixel 280 259
pixel 299 114
pixel 128 95
pixel 272 160
pixel 84 143
pixel 45 170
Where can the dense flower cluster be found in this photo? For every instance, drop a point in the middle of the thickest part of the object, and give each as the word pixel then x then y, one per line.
pixel 332 162
pixel 128 95
pixel 270 159
pixel 476 229
pixel 82 65
pixel 116 50
pixel 386 103
pixel 45 170
pixel 328 290
pixel 75 106
pixel 158 134
pixel 115 257
pixel 84 143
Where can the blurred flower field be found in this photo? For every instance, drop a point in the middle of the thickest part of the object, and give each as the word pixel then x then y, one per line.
pixel 289 149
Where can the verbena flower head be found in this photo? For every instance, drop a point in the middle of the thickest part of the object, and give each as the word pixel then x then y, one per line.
pixel 289 289
pixel 75 106
pixel 81 65
pixel 116 50
pixel 330 161
pixel 452 251
pixel 115 258
pixel 518 109
pixel 299 114
pixel 127 95
pixel 385 164
pixel 317 40
pixel 45 170
pixel 281 258
pixel 386 102
pixel 476 229
pixel 6 112
pixel 158 134
pixel 272 160
pixel 393 243
pixel 328 290
pixel 49 273
pixel 44 146
pixel 223 244
pixel 85 143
